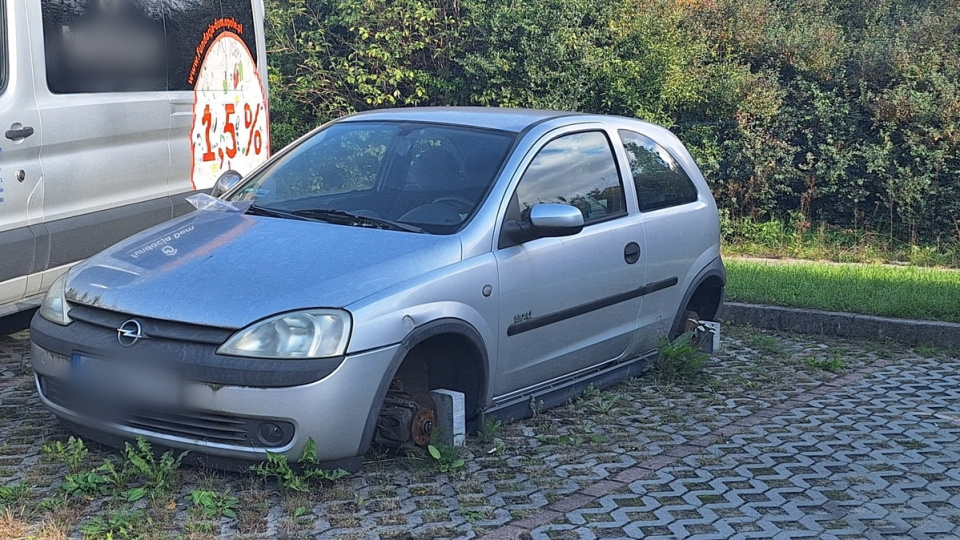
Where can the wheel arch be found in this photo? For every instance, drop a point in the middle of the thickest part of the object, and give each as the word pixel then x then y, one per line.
pixel 472 377
pixel 705 295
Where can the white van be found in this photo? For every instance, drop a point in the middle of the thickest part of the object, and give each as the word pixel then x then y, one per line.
pixel 112 111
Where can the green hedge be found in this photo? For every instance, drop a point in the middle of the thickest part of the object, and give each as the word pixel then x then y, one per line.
pixel 840 111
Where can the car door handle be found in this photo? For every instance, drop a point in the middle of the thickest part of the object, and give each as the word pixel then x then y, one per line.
pixel 22 133
pixel 631 253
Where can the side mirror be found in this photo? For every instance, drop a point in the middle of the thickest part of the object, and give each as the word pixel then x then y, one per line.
pixel 556 219
pixel 225 183
pixel 546 220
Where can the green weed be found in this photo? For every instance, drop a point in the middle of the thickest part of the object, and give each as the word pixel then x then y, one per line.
pixel 11 495
pixel 276 466
pixel 679 360
pixel 834 364
pixel 85 484
pixel 70 454
pixel 128 524
pixel 446 458
pixel 214 505
pixel 596 401
pixel 490 430
pixel 767 344
pixel 159 474
pixel 575 436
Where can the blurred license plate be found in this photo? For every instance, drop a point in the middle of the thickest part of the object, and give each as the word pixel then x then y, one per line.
pixel 124 383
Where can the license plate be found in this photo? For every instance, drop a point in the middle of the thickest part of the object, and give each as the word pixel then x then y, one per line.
pixel 124 383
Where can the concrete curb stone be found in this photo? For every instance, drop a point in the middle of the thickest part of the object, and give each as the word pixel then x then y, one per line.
pixel 944 335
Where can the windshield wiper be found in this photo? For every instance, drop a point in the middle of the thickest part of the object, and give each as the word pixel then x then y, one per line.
pixel 258 210
pixel 346 218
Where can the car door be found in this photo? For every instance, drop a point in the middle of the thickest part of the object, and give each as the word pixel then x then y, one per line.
pixel 21 184
pixel 568 304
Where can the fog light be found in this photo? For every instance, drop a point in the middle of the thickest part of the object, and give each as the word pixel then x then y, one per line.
pixel 270 433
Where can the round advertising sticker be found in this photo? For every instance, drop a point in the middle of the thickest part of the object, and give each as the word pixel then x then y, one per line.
pixel 230 125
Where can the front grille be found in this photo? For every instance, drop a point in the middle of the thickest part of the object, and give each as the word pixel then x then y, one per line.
pixel 188 424
pixel 154 328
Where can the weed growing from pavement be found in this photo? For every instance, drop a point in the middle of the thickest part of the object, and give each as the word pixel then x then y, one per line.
pixel 767 344
pixel 680 359
pixel 159 474
pixel 536 407
pixel 12 495
pixel 71 453
pixel 911 444
pixel 576 436
pixel 834 364
pixel 596 401
pixel 490 430
pixel 211 504
pixel 446 458
pixel 276 466
pixel 85 484
pixel 121 524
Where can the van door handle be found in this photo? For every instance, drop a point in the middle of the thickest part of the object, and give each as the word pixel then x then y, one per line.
pixel 22 133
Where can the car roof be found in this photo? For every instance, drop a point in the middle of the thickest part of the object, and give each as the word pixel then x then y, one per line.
pixel 515 120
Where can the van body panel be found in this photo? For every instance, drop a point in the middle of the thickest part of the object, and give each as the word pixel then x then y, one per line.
pixel 21 178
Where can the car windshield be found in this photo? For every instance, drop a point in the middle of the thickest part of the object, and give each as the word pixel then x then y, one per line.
pixel 394 175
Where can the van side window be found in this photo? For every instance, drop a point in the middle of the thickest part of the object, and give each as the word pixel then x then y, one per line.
pixel 103 46
pixel 659 179
pixel 131 46
pixel 578 170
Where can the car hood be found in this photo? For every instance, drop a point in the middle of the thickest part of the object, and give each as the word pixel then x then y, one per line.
pixel 230 269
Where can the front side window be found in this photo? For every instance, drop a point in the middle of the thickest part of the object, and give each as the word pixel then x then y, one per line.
pixel 660 181
pixel 578 170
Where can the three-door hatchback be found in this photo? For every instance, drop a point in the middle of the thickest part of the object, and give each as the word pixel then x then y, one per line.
pixel 504 254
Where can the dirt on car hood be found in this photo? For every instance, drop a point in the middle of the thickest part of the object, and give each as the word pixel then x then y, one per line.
pixel 229 269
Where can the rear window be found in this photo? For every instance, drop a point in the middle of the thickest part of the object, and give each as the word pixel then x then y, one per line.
pixel 134 46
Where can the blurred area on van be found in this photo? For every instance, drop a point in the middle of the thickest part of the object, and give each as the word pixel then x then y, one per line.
pixel 112 112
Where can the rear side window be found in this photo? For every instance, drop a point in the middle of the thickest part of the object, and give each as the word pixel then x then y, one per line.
pixel 660 181
pixel 136 45
pixel 578 170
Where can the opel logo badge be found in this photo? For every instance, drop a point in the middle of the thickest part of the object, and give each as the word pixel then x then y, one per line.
pixel 130 333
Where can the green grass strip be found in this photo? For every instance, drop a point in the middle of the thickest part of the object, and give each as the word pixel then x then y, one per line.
pixel 906 292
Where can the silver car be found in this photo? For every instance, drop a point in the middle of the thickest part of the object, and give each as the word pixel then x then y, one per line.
pixel 504 254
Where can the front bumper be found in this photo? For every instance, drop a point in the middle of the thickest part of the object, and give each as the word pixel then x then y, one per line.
pixel 336 411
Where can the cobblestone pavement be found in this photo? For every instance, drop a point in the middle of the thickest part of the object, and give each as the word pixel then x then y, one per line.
pixel 769 444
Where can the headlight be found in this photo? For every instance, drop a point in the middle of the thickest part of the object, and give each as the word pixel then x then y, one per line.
pixel 316 333
pixel 54 307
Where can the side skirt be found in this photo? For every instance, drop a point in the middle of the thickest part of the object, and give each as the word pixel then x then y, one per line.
pixel 562 392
